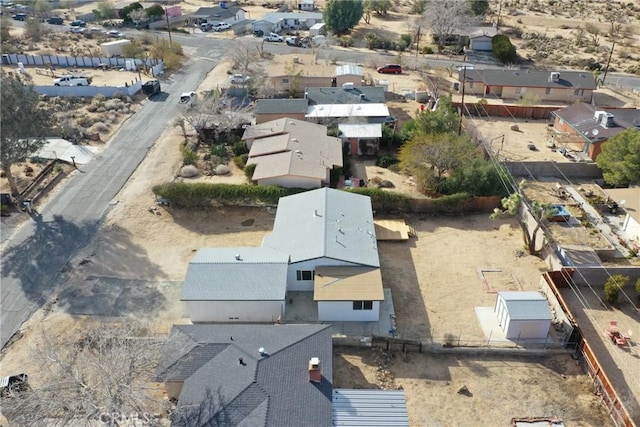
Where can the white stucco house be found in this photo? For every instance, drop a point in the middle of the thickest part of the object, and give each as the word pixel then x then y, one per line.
pixel 227 285
pixel 292 153
pixel 523 315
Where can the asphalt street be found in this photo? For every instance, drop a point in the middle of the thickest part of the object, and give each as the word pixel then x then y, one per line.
pixel 36 253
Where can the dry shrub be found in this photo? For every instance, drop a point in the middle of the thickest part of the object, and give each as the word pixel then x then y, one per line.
pixel 100 127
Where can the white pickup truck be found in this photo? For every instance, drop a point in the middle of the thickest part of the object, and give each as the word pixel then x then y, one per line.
pixel 71 80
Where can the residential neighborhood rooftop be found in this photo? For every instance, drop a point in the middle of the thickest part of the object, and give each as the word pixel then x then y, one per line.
pixel 345 95
pixel 360 130
pixel 529 78
pixel 588 121
pixel 347 110
pixel 325 223
pixel 283 106
pixel 347 284
pixel 228 381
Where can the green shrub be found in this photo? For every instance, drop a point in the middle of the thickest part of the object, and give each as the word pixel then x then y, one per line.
pixel 503 50
pixel 239 148
pixel 382 199
pixel 427 50
pixel 249 169
pixel 241 160
pixel 612 287
pixel 189 157
pixel 220 150
pixel 386 161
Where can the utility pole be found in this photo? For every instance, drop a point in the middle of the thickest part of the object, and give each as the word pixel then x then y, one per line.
pixel 464 80
pixel 418 40
pixel 606 69
pixel 168 24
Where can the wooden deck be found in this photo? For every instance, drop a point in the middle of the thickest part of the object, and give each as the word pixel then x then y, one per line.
pixel 392 230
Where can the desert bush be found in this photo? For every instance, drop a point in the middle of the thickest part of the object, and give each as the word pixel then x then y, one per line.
pixel 188 171
pixel 119 95
pixel 638 287
pixel 249 169
pixel 386 161
pixel 189 157
pixel 613 286
pixel 241 160
pixel 427 50
pixel 99 127
pixel 221 151
pixel 239 147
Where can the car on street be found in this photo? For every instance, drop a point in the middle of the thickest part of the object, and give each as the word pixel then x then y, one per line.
pixel 77 30
pixel 151 88
pixel 78 23
pixel 390 69
pixel 220 26
pixel 55 20
pixel 297 41
pixel 19 17
pixel 273 37
pixel 114 34
pixel 239 79
pixel 188 98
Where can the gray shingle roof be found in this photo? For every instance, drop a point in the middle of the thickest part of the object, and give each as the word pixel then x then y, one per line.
pixel 215 12
pixel 347 95
pixel 582 118
pixel 530 78
pixel 216 274
pixel 270 390
pixel 282 106
pixel 325 223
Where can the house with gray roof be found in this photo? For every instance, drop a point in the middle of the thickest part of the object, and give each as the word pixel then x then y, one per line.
pixel 266 110
pixel 588 127
pixel 277 22
pixel 249 375
pixel 553 86
pixel 236 285
pixel 229 12
pixel 292 153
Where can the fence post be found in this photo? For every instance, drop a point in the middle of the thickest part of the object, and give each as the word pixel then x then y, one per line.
pixel 518 340
pixel 489 339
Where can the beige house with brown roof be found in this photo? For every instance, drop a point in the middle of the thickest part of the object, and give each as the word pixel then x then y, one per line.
pixel 292 153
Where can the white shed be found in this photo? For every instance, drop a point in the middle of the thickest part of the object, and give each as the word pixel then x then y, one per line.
pixel 523 315
pixel 246 285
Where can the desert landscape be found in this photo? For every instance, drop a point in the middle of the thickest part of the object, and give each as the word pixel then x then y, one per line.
pixel 433 277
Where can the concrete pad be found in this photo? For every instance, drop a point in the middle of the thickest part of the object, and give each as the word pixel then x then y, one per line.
pixel 496 337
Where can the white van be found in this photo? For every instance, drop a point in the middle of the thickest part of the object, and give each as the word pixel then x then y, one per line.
pixel 188 99
pixel 71 80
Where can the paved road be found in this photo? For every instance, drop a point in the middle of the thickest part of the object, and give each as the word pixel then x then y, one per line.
pixel 36 253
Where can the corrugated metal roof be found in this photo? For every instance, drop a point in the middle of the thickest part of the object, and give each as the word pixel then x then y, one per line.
pixel 369 408
pixel 348 110
pixel 526 305
pixel 347 69
pixel 215 274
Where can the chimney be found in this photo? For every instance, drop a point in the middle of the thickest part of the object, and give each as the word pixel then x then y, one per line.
pixel 315 373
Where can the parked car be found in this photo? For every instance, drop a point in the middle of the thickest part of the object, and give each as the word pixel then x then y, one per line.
pixel 77 30
pixel 71 80
pixel 78 23
pixel 297 41
pixel 220 26
pixel 238 79
pixel 205 26
pixel 20 16
pixel 114 33
pixel 95 30
pixel 55 20
pixel 390 69
pixel 188 98
pixel 258 33
pixel 273 37
pixel 151 88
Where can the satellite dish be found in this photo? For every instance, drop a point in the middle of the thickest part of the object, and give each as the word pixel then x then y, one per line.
pixel 595 132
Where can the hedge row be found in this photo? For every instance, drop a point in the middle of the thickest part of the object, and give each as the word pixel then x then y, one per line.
pixel 201 194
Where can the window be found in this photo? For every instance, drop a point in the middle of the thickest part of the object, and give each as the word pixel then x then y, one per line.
pixel 547 91
pixel 305 274
pixel 518 90
pixel 470 85
pixel 285 81
pixel 578 92
pixel 363 305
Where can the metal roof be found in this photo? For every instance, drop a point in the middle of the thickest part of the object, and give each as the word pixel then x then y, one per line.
pixel 347 284
pixel 236 274
pixel 360 130
pixel 349 69
pixel 276 17
pixel 530 78
pixel 348 110
pixel 526 305
pixel 326 223
pixel 369 408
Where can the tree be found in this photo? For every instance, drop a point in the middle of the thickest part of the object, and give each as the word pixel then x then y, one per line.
pixel 42 7
pixel 155 12
pixel 371 39
pixel 620 158
pixel 503 50
pixel 594 33
pixel 380 7
pixel 294 74
pixel 479 7
pixel 34 29
pixel 137 16
pixel 106 10
pixel 340 16
pixel 446 18
pixel 125 11
pixel 512 204
pixel 105 376
pixel 444 119
pixel 217 113
pixel 418 7
pixel 23 126
pixel 613 286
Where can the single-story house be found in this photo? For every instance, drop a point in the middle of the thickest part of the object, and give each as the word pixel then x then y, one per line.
pixel 364 104
pixel 348 293
pixel 292 153
pixel 323 227
pixel 631 207
pixel 229 12
pixel 361 139
pixel 277 22
pixel 588 127
pixel 482 39
pixel 249 375
pixel 563 86
pixel 307 5
pixel 340 112
pixel 346 93
pixel 523 315
pixel 266 110
pixel 228 285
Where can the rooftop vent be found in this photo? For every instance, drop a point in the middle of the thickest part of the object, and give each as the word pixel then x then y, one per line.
pixel 362 96
pixel 554 77
pixel 347 85
pixel 315 373
pixel 238 257
pixel 607 121
pixel 262 351
pixel 598 115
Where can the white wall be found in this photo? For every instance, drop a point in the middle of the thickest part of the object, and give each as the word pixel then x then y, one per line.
pixel 342 311
pixel 292 182
pixel 631 227
pixel 235 311
pixel 528 329
pixel 293 284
